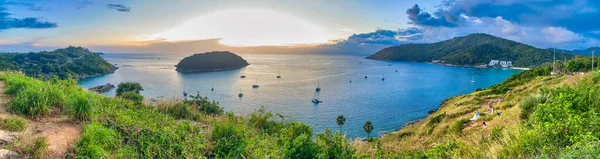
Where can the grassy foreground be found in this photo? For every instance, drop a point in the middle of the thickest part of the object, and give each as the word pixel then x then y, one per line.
pixel 541 117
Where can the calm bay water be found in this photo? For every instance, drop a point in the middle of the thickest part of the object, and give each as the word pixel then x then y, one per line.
pixel 404 96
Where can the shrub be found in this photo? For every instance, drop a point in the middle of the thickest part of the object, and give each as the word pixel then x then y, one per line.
pixel 136 98
pixel 529 104
pixel 204 105
pixel 15 124
pixel 129 86
pixel 261 120
pixel 97 141
pixel 31 102
pixel 38 149
pixel 333 145
pixel 82 105
pixel 229 139
pixel 459 125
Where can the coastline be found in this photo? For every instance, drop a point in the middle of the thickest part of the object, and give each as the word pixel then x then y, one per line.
pixel 208 70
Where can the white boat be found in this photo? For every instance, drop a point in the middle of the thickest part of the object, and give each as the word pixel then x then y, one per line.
pixel 473 80
pixel 315 99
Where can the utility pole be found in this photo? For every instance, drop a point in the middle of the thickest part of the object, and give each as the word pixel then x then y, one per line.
pixel 593 61
pixel 553 73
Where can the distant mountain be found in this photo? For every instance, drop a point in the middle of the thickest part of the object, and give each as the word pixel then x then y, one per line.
pixel 70 62
pixel 211 61
pixel 586 52
pixel 471 50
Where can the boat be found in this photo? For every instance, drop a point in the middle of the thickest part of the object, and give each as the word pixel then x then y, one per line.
pixel 185 94
pixel 389 64
pixel 212 87
pixel 318 86
pixel 396 70
pixel 241 94
pixel 255 85
pixel 316 100
pixel 365 77
pixel 383 76
pixel 278 76
pixel 243 75
pixel 473 80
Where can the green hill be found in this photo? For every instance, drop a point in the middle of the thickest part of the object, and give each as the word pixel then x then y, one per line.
pixel 471 50
pixel 70 62
pixel 586 52
pixel 211 61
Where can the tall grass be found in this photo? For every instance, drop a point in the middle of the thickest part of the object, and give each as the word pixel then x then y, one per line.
pixel 15 124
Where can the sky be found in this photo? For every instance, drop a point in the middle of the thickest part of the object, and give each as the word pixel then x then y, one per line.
pixel 288 26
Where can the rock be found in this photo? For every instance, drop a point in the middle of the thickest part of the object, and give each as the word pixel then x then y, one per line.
pixel 432 111
pixel 102 88
pixel 7 154
pixel 7 137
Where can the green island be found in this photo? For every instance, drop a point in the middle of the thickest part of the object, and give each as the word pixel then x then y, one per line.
pixel 472 50
pixel 71 62
pixel 210 62
pixel 536 116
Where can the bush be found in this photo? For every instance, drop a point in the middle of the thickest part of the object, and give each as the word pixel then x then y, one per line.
pixel 261 120
pixel 459 125
pixel 333 145
pixel 204 105
pixel 128 87
pixel 229 139
pixel 82 105
pixel 97 141
pixel 136 98
pixel 14 124
pixel 38 149
pixel 529 104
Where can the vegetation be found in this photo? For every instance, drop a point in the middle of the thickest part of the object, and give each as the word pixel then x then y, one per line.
pixel 129 87
pixel 15 124
pixel 471 50
pixel 368 127
pixel 211 61
pixel 70 62
pixel 340 121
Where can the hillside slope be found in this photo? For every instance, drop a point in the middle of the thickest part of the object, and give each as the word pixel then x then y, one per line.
pixel 70 62
pixel 471 50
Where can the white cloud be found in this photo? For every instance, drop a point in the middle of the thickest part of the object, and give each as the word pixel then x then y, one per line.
pixel 560 35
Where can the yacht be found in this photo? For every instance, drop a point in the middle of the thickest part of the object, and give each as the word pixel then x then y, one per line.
pixel 278 76
pixel 318 86
pixel 243 75
pixel 241 94
pixel 473 80
pixel 255 85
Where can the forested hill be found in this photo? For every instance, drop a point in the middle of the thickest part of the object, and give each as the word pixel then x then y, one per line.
pixel 70 62
pixel 586 52
pixel 471 50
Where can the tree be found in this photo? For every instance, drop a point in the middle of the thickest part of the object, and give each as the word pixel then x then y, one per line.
pixel 129 86
pixel 340 121
pixel 368 127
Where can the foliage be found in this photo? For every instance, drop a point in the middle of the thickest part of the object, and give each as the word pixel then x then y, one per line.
pixel 133 96
pixel 70 62
pixel 15 124
pixel 368 127
pixel 203 104
pixel 340 121
pixel 230 140
pixel 333 145
pixel 473 49
pixel 520 79
pixel 261 121
pixel 129 87
pixel 37 150
pixel 97 141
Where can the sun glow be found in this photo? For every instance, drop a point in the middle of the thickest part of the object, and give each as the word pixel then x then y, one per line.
pixel 247 27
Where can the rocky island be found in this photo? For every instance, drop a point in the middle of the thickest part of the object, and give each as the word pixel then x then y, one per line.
pixel 211 62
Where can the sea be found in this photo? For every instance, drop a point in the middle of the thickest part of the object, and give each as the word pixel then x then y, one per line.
pixel 350 85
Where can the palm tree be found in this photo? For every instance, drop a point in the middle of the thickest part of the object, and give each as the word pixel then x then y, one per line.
pixel 340 121
pixel 368 127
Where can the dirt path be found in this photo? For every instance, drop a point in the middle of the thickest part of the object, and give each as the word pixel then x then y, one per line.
pixel 61 132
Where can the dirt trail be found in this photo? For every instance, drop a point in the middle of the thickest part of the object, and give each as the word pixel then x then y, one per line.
pixel 61 132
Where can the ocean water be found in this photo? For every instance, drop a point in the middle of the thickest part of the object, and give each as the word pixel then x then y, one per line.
pixel 404 96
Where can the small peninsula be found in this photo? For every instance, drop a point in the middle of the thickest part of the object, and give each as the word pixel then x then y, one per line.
pixel 211 62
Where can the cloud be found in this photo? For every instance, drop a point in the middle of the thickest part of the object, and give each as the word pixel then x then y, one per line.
pixel 570 14
pixel 29 6
pixel 119 7
pixel 418 17
pixel 560 35
pixel 7 22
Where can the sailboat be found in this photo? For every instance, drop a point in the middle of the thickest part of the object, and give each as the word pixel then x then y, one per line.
pixel 318 86
pixel 473 79
pixel 278 76
pixel 255 85
pixel 243 74
pixel 212 87
pixel 365 77
pixel 316 100
pixel 241 94
pixel 383 76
